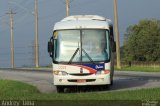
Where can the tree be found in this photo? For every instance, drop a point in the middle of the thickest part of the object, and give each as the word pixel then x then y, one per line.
pixel 142 41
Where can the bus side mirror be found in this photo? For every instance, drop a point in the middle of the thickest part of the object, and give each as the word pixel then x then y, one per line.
pixel 114 46
pixel 50 48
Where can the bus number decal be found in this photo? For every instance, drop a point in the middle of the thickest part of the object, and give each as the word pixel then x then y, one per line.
pixel 61 67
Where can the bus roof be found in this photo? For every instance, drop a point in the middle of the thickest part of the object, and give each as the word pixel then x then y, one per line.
pixel 83 22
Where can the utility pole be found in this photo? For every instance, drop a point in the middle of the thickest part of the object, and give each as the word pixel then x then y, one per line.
pixel 117 35
pixel 36 43
pixel 67 8
pixel 11 13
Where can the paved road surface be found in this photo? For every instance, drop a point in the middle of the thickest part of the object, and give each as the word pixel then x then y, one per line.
pixel 122 80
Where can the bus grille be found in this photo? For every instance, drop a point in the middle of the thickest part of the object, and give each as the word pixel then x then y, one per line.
pixel 85 74
pixel 87 80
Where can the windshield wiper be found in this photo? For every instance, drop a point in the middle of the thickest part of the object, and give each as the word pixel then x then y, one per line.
pixel 73 56
pixel 70 61
pixel 88 56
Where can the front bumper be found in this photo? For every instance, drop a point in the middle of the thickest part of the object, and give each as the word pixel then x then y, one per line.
pixel 70 80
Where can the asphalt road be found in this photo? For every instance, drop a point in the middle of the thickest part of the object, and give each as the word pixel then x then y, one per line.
pixel 42 79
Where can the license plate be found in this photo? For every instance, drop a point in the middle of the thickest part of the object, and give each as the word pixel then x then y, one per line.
pixel 81 80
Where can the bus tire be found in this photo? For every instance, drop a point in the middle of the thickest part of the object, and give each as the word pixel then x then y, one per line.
pixel 60 89
pixel 111 82
pixel 106 87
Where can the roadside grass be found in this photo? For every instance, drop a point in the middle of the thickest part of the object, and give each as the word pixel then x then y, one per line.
pixel 14 90
pixel 139 69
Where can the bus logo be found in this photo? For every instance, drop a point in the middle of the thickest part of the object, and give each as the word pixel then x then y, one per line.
pixel 98 67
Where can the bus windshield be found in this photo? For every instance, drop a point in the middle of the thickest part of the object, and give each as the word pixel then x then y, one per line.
pixel 91 45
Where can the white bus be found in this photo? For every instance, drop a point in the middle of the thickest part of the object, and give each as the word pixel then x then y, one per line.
pixel 82 50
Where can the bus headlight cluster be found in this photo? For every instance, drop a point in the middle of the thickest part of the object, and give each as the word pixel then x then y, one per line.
pixel 99 72
pixel 103 72
pixel 60 73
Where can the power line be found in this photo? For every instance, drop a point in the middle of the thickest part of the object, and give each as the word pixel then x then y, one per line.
pixel 2 16
pixel 22 11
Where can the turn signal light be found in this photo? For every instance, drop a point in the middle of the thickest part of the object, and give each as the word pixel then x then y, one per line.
pixel 103 72
pixel 106 71
pixel 55 72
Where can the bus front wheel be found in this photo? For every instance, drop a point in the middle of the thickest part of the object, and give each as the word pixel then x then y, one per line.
pixel 111 82
pixel 60 89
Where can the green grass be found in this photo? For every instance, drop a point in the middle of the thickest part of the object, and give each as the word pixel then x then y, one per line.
pixel 16 90
pixel 139 69
pixel 13 90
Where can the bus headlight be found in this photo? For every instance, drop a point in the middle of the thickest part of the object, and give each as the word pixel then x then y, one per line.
pixel 103 72
pixel 60 73
pixel 99 72
pixel 63 73
pixel 55 72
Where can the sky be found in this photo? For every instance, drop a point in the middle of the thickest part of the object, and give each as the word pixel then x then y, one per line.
pixel 130 12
